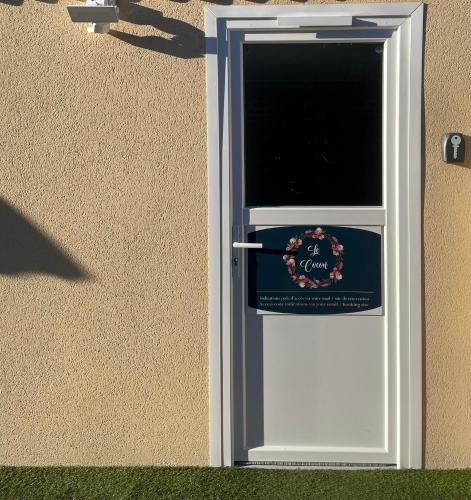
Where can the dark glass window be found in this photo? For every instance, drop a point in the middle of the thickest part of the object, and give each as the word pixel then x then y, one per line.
pixel 313 124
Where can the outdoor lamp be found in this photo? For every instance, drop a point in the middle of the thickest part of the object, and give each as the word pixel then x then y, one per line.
pixel 101 13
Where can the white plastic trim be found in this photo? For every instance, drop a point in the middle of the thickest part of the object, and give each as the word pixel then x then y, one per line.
pixel 301 21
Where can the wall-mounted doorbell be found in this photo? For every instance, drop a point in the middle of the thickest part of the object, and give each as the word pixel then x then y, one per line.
pixel 453 148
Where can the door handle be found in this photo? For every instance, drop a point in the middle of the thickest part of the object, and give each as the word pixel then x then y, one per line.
pixel 240 244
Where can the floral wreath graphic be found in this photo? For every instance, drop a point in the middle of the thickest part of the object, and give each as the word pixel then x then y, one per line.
pixel 290 259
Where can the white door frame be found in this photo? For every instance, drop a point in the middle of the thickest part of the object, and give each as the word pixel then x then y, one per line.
pixel 406 19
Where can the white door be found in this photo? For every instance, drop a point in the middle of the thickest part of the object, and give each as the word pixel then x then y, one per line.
pixel 315 313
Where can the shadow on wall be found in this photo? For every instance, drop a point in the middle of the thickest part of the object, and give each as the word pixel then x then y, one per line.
pixel 25 249
pixel 186 41
pixel 19 3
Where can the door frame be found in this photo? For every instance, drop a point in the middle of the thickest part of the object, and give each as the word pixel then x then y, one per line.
pixel 406 19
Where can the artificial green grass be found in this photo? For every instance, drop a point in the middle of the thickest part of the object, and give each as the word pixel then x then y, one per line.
pixel 77 483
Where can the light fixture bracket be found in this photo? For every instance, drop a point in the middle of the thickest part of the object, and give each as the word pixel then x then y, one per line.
pixel 101 13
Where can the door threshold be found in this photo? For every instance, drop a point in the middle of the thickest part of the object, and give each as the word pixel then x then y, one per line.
pixel 312 465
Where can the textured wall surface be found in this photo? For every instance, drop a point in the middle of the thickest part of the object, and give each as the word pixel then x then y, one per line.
pixel 447 238
pixel 103 274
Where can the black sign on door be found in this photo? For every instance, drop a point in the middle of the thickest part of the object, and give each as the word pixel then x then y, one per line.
pixel 315 270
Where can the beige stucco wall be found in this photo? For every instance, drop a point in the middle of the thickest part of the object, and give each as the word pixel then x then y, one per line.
pixel 103 349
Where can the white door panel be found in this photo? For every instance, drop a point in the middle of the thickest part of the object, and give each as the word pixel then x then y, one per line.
pixel 308 385
pixel 323 380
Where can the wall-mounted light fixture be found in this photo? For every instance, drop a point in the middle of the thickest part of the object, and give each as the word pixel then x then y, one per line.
pixel 101 13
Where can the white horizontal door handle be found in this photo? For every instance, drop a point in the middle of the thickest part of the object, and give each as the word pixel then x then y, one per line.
pixel 239 244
